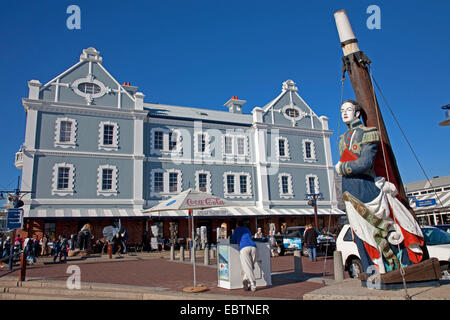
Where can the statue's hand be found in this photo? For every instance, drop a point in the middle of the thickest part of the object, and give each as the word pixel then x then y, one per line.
pixel 338 168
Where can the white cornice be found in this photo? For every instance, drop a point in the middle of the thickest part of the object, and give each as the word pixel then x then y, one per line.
pixel 85 154
pixel 198 161
pixel 58 107
pixel 296 130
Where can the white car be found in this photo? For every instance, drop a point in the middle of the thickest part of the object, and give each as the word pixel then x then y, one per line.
pixel 437 241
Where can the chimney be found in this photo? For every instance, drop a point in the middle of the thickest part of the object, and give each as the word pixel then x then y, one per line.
pixel 34 87
pixel 235 105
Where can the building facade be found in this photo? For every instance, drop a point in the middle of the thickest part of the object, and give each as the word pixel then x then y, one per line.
pixel 95 152
pixel 430 200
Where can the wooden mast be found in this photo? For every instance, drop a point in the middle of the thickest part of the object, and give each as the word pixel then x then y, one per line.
pixel 356 65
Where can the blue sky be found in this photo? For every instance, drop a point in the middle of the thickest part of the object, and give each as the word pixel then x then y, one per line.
pixel 200 53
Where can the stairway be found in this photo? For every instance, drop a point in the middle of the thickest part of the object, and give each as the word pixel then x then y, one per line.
pixel 35 289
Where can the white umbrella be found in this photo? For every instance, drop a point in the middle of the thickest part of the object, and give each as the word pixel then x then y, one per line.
pixel 190 200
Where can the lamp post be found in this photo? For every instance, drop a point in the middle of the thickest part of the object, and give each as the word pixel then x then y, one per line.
pixel 312 201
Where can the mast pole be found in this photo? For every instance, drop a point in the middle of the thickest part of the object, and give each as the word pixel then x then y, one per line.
pixel 356 64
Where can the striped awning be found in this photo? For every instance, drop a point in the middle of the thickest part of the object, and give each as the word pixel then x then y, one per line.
pixel 246 211
pixel 83 213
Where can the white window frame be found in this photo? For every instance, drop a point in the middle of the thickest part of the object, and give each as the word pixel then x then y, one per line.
pixel 316 183
pixel 73 133
pixel 287 155
pixel 301 114
pixel 208 180
pixel 166 191
pixel 114 182
pixel 101 131
pixel 178 151
pixel 224 146
pixel 197 143
pixel 290 193
pixel 313 151
pixel 234 146
pixel 237 185
pixel 63 192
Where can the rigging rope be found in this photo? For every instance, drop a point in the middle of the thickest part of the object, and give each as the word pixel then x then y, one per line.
pixel 402 270
pixel 334 189
pixel 404 136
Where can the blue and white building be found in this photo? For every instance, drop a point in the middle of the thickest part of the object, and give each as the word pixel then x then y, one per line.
pixel 95 151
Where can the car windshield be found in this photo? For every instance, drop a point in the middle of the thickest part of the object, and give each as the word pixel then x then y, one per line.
pixel 434 236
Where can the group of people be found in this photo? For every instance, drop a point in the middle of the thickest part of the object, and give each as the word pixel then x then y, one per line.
pixel 11 248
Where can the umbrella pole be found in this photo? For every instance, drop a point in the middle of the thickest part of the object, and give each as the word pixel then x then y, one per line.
pixel 193 246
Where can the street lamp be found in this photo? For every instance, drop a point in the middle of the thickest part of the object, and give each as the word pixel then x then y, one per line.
pixel 312 201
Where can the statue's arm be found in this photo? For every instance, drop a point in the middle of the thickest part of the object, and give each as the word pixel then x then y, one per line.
pixel 363 163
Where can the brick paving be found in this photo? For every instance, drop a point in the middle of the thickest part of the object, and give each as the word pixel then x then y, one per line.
pixel 158 271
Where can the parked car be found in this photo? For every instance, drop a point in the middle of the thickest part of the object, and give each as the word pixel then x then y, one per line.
pixel 445 227
pixel 292 239
pixel 437 241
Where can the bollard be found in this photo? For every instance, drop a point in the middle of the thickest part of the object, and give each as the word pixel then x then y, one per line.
pixel 298 267
pixel 181 253
pixel 23 266
pixel 338 266
pixel 110 250
pixel 172 252
pixel 206 256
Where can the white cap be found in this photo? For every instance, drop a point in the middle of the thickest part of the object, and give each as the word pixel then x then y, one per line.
pixel 343 25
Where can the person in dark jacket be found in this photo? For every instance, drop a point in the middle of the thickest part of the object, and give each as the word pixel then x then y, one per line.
pixel 310 239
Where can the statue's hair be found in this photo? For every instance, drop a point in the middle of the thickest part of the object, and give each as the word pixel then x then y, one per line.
pixel 355 103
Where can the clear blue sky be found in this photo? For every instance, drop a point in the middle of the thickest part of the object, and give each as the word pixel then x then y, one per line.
pixel 200 53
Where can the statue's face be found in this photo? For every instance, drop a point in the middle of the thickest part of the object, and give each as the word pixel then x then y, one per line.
pixel 348 112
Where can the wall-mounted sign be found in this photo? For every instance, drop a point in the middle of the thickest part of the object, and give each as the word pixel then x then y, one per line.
pixel 425 203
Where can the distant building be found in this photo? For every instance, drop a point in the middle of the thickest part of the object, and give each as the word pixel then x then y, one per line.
pixel 446 122
pixel 95 152
pixel 430 200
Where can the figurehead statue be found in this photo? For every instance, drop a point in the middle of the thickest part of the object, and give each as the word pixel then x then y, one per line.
pixel 385 232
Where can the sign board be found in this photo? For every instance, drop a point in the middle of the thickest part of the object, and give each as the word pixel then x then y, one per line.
pixel 14 219
pixel 224 267
pixel 425 203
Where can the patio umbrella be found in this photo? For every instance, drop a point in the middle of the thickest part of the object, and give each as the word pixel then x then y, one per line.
pixel 190 200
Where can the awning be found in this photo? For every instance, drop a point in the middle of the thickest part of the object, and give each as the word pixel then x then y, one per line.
pixel 83 213
pixel 246 211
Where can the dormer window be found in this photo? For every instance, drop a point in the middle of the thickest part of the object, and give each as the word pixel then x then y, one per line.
pixel 89 88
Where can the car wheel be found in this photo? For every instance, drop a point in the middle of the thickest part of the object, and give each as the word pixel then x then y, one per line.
pixel 355 268
pixel 280 251
pixel 305 252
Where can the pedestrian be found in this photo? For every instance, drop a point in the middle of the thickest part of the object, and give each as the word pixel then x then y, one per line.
pixel 259 234
pixel 36 246
pixel 310 239
pixel 18 241
pixel 29 250
pixel 272 243
pixel 44 243
pixel 64 243
pixel 247 248
pixel 56 249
